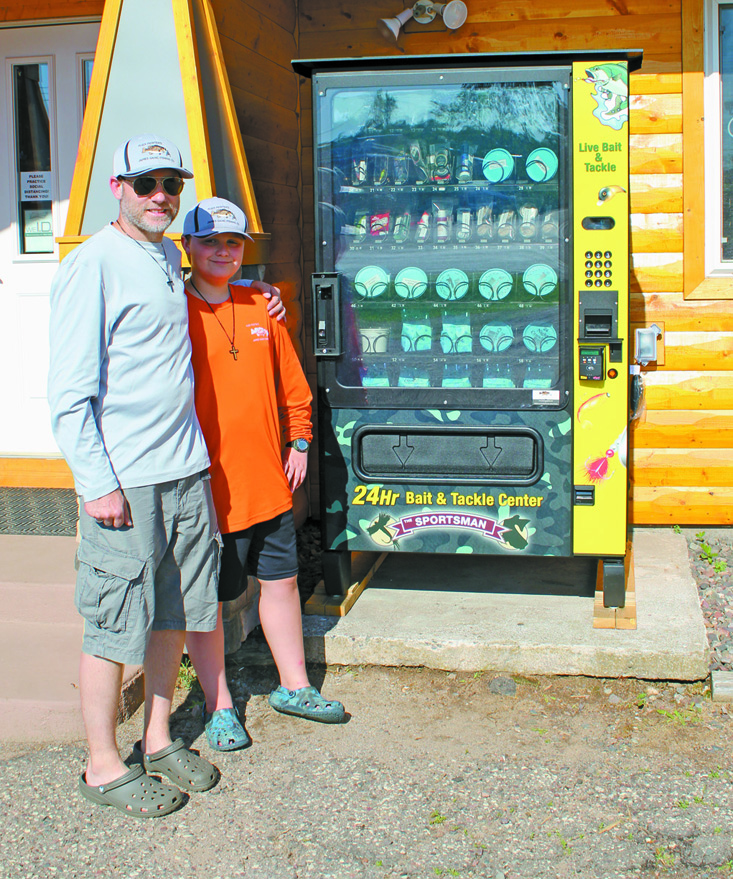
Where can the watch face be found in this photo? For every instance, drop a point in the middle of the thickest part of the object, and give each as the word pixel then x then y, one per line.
pixel 300 445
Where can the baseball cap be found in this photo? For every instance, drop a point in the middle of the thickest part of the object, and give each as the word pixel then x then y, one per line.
pixel 214 215
pixel 147 152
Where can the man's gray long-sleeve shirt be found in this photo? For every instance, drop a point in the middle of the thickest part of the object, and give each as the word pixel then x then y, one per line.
pixel 120 382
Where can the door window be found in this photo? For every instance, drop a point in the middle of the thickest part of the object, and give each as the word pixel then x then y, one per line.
pixel 87 64
pixel 31 111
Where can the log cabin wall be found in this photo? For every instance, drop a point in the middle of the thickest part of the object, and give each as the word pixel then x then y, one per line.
pixel 19 10
pixel 259 40
pixel 682 447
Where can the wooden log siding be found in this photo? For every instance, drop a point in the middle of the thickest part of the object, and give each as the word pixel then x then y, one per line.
pixel 682 450
pixel 682 455
pixel 47 10
pixel 259 40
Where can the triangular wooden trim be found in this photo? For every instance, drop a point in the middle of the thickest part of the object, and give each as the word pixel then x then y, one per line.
pixel 192 24
pixel 92 116
pixel 193 99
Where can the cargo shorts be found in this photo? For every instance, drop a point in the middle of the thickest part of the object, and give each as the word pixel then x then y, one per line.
pixel 159 573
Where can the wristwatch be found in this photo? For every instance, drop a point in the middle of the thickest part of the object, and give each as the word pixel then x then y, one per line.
pixel 300 445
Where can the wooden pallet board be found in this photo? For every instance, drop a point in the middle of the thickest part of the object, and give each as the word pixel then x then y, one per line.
pixel 616 617
pixel 363 567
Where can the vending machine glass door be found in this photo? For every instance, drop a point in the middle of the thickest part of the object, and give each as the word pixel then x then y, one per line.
pixel 442 252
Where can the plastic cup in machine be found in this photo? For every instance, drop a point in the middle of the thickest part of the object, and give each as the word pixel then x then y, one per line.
pixel 452 284
pixel 410 282
pixel 495 284
pixel 497 165
pixel 541 165
pixel 539 338
pixel 371 281
pixel 539 280
pixel 496 336
pixel 374 340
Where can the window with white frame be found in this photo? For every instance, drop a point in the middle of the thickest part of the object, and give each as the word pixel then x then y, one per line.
pixel 718 138
pixel 34 154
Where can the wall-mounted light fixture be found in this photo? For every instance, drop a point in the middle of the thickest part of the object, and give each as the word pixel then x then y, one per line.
pixel 423 12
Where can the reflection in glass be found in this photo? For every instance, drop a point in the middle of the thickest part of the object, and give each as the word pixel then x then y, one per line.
pixel 448 207
pixel 87 66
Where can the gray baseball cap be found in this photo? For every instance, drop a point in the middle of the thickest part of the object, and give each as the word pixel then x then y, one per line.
pixel 214 215
pixel 147 152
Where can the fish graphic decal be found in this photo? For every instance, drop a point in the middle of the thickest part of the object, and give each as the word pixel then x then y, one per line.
pixel 611 93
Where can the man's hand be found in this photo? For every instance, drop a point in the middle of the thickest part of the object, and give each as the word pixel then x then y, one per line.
pixel 295 465
pixel 111 510
pixel 275 307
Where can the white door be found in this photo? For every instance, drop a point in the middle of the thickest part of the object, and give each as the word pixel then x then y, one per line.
pixel 44 75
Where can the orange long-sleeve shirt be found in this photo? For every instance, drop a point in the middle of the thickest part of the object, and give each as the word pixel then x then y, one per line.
pixel 247 407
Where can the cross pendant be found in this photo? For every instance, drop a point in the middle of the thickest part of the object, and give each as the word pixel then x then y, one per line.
pixel 234 351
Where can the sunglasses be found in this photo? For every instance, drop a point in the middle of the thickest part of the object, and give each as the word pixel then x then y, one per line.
pixel 147 185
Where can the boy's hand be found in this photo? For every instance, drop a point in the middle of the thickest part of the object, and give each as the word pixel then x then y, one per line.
pixel 275 307
pixel 295 465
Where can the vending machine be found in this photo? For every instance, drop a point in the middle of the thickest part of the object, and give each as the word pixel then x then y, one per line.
pixel 470 305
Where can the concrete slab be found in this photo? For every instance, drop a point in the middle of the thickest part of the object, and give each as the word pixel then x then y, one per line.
pixel 519 615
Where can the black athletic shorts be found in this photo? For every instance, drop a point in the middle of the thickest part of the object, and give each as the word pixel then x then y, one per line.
pixel 267 550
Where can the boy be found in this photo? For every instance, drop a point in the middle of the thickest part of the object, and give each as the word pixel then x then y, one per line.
pixel 250 393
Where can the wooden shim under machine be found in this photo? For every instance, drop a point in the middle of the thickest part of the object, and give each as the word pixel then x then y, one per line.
pixel 363 568
pixel 616 617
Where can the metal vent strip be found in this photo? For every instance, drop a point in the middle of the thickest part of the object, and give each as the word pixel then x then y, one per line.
pixel 38 511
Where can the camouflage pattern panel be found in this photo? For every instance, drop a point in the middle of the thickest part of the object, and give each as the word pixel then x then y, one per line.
pixel 480 482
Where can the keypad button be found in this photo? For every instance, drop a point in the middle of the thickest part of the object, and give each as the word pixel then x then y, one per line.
pixel 607 283
pixel 607 274
pixel 589 274
pixel 599 283
pixel 588 254
pixel 608 254
pixel 589 283
pixel 598 254
pixel 608 263
pixel 589 263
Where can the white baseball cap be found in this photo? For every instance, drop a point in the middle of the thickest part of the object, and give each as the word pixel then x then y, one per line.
pixel 214 215
pixel 147 152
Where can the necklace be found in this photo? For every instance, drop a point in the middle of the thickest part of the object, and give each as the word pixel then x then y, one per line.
pixel 233 351
pixel 168 278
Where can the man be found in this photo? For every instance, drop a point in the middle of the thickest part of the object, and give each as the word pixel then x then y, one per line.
pixel 122 405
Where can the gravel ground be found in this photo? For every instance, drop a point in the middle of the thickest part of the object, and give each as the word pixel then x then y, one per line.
pixel 435 774
pixel 711 560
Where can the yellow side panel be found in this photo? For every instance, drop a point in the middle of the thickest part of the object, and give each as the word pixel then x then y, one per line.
pixel 601 297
